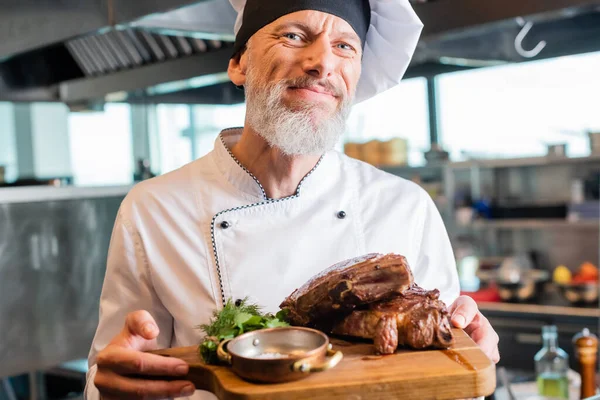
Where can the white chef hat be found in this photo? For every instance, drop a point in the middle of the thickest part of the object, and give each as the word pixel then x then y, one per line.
pixel 391 37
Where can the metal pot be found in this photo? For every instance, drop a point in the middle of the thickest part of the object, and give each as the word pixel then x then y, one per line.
pixel 279 354
pixel 594 138
pixel 526 288
pixel 557 150
pixel 580 293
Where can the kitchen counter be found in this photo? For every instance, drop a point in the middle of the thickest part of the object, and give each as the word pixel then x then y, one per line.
pixel 519 327
pixel 539 309
pixel 53 246
pixel 33 194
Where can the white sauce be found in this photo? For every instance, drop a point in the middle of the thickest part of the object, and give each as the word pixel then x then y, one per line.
pixel 271 355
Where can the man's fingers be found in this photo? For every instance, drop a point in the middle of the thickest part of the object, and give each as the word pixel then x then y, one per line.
pixel 127 361
pixel 465 315
pixel 142 324
pixel 496 356
pixel 112 385
pixel 487 339
pixel 463 311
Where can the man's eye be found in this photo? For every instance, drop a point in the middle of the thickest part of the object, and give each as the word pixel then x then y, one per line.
pixel 292 36
pixel 345 46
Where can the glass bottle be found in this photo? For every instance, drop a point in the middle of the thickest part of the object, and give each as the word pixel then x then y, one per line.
pixel 551 366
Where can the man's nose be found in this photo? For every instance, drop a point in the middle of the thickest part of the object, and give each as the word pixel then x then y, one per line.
pixel 319 60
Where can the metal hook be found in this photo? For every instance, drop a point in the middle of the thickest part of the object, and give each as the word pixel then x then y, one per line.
pixel 519 40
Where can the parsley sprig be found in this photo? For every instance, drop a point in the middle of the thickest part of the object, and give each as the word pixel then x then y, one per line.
pixel 232 321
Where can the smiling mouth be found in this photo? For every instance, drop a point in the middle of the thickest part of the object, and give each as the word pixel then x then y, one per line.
pixel 317 90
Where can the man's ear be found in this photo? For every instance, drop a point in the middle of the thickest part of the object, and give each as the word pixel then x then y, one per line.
pixel 237 69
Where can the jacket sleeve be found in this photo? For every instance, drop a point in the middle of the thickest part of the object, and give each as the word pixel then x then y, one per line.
pixel 436 265
pixel 127 287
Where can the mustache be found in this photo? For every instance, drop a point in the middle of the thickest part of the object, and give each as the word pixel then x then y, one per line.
pixel 308 81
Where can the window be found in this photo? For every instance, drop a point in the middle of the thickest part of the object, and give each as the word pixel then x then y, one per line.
pixel 517 110
pixel 377 118
pixel 399 112
pixel 8 148
pixel 210 120
pixel 50 133
pixel 173 142
pixel 101 150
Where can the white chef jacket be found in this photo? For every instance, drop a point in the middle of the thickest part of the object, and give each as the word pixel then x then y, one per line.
pixel 184 241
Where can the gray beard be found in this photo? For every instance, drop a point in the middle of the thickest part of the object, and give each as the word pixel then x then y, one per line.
pixel 293 132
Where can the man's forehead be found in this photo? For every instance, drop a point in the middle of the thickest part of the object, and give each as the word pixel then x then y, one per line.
pixel 314 20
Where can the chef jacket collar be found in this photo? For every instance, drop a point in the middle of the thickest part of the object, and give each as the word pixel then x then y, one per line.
pixel 239 177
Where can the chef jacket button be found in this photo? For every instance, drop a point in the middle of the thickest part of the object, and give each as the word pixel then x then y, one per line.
pixel 225 225
pixel 238 302
pixel 341 214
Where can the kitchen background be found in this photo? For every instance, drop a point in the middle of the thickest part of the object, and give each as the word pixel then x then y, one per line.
pixel 498 118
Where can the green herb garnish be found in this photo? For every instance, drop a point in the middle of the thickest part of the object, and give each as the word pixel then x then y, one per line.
pixel 231 322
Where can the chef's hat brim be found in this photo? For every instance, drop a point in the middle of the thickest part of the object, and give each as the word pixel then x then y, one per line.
pixel 391 41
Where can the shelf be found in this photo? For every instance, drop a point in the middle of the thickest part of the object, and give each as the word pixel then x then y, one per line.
pixel 524 162
pixel 539 309
pixel 408 170
pixel 33 194
pixel 535 224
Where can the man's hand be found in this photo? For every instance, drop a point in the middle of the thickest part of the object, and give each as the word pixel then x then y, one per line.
pixel 465 315
pixel 124 357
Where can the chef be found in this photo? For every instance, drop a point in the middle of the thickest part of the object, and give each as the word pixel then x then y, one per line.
pixel 272 204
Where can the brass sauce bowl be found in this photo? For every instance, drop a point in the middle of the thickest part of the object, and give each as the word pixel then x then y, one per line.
pixel 279 354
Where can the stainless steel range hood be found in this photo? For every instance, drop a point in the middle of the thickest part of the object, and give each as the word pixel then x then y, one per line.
pixel 27 25
pixel 477 33
pixel 115 50
pixel 79 51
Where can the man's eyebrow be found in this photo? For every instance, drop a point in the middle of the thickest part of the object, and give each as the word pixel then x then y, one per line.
pixel 293 24
pixel 350 36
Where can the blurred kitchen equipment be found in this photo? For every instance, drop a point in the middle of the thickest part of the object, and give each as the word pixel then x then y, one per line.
pixel 467 273
pixel 56 182
pixel 525 28
pixel 586 348
pixel 279 354
pixel 525 211
pixel 506 383
pixel 585 293
pixel 557 150
pixel 514 269
pixel 577 191
pixel 589 210
pixel 436 154
pixel 592 186
pixel 466 251
pixel 393 152
pixel 2 174
pixel 594 138
pixel 516 279
pixel 370 152
pixel 352 149
pixel 143 170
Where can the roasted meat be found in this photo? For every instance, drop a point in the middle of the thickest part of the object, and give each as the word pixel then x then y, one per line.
pixel 338 290
pixel 416 318
pixel 373 297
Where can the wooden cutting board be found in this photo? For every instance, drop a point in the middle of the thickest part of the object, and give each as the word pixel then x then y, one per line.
pixel 458 373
